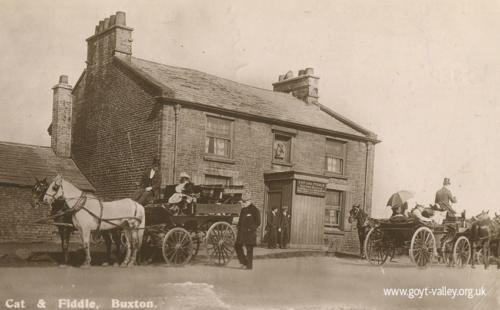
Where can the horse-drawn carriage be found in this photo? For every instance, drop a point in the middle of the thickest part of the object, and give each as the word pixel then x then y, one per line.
pixel 421 239
pixel 179 231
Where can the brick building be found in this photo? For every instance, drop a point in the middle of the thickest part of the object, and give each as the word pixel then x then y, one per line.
pixel 20 164
pixel 282 144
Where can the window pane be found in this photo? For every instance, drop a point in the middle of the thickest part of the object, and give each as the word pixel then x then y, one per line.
pixel 218 126
pixel 334 164
pixel 209 145
pixel 217 180
pixel 331 217
pixel 335 148
pixel 333 198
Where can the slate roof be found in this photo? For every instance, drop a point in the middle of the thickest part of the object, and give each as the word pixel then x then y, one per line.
pixel 20 163
pixel 206 89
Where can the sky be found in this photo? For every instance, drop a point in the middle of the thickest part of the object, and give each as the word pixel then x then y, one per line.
pixel 423 75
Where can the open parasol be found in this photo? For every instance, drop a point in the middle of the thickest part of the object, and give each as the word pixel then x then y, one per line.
pixel 399 198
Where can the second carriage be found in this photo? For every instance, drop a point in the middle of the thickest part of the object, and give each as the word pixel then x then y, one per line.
pixel 424 241
pixel 179 233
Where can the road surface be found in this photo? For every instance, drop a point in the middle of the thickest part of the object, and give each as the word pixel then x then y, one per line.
pixel 291 283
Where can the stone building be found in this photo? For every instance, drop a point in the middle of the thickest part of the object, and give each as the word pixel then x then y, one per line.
pixel 283 145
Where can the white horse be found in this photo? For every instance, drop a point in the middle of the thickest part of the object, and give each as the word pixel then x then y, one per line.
pixel 89 213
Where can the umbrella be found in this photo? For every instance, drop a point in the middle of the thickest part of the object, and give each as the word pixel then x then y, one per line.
pixel 399 198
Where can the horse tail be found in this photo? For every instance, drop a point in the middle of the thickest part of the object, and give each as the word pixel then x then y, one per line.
pixel 142 216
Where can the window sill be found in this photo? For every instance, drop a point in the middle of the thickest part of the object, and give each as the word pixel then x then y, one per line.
pixel 219 159
pixel 282 163
pixel 333 231
pixel 335 175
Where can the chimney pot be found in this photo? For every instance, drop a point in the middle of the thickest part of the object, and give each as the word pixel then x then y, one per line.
pixel 106 23
pixel 96 29
pixel 121 19
pixel 101 26
pixel 112 20
pixel 63 79
pixel 303 87
pixel 281 77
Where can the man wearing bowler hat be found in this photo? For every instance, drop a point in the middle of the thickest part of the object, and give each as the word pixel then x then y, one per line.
pixel 444 197
pixel 248 223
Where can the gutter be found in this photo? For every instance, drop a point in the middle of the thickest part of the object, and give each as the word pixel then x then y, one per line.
pixel 249 116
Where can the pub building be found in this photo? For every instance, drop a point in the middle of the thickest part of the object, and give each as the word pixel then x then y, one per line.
pixel 282 145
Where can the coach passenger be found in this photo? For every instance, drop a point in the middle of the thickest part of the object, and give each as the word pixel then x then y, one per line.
pixel 248 223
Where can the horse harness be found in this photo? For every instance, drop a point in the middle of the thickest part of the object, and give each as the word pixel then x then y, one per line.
pixel 80 205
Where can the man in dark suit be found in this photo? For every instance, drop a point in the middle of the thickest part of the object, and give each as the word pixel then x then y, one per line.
pixel 444 197
pixel 273 223
pixel 149 188
pixel 248 223
pixel 284 228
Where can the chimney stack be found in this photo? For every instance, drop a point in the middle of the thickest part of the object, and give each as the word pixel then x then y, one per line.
pixel 111 37
pixel 60 129
pixel 304 86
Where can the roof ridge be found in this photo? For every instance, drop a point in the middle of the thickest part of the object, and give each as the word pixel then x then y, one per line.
pixel 24 144
pixel 219 77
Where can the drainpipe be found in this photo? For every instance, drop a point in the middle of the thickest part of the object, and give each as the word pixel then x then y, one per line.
pixel 366 174
pixel 177 109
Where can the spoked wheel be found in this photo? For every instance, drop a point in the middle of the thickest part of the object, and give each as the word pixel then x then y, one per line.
pixel 177 247
pixel 447 252
pixel 422 246
pixel 462 252
pixel 220 243
pixel 375 252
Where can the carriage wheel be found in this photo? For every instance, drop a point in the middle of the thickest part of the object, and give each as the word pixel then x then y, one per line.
pixel 447 252
pixel 177 247
pixel 462 252
pixel 375 252
pixel 422 246
pixel 220 243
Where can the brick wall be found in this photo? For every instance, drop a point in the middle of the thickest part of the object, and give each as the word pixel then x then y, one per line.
pixel 17 215
pixel 110 110
pixel 252 156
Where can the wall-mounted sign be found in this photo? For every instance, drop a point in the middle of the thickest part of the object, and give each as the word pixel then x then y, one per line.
pixel 310 188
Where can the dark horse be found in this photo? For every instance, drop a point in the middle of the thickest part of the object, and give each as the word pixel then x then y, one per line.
pixel 483 233
pixel 66 221
pixel 360 216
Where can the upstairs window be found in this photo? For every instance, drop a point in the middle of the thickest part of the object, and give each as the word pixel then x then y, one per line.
pixel 335 156
pixel 219 132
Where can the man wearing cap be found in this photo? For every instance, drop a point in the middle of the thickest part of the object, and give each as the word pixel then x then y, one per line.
pixel 444 197
pixel 149 187
pixel 248 223
pixel 284 228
